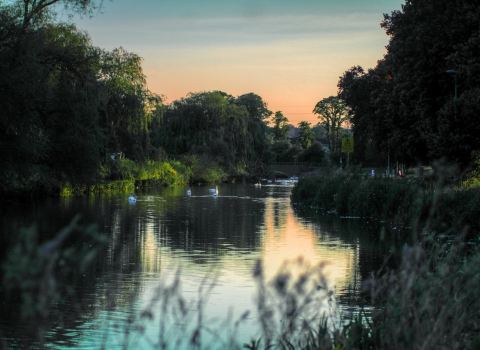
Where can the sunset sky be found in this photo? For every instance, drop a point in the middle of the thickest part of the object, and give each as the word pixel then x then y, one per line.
pixel 291 53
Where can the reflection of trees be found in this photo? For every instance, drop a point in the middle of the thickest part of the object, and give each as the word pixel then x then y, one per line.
pixel 364 237
pixel 210 225
pixel 138 233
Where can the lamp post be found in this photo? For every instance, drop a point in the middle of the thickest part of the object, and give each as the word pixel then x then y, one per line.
pixel 454 72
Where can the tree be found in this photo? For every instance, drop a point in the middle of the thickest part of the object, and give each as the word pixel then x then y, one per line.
pixel 406 103
pixel 35 11
pixel 314 153
pixel 361 91
pixel 280 126
pixel 49 103
pixel 256 107
pixel 332 113
pixel 63 102
pixel 207 123
pixel 258 113
pixel 127 115
pixel 305 136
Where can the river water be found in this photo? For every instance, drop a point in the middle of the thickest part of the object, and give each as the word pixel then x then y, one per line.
pixel 212 246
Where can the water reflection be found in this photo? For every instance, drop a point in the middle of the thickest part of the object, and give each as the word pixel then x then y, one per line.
pixel 167 230
pixel 288 238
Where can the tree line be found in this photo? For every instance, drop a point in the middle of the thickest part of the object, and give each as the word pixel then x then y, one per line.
pixel 420 103
pixel 66 106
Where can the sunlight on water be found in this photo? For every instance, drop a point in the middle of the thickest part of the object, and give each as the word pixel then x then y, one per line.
pixel 209 242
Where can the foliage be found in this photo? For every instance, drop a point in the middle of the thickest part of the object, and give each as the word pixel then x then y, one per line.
pixel 473 178
pixel 429 300
pixel 204 169
pixel 280 126
pixel 130 108
pixel 332 112
pixel 305 137
pixel 65 103
pixel 407 103
pixel 214 125
pixel 164 172
pixel 314 153
pixel 258 150
pixel 284 151
pixel 401 201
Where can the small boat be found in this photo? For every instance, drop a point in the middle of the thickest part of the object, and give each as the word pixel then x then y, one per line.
pixel 132 198
pixel 189 192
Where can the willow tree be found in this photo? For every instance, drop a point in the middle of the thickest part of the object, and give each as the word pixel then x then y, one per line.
pixel 258 151
pixel 126 103
pixel 207 123
pixel 332 113
pixel 49 101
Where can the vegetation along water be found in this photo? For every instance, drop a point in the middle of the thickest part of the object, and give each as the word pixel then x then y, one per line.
pixel 80 130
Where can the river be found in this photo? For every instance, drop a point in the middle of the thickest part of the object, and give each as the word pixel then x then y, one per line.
pixel 212 246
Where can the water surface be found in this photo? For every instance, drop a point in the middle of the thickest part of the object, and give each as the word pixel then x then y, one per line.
pixel 212 244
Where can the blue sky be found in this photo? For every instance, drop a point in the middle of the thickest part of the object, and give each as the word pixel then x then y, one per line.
pixel 289 52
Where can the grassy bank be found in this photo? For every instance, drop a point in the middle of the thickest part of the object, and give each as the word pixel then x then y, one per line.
pixel 414 203
pixel 125 174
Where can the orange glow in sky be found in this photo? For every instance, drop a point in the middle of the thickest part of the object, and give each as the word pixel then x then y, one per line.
pixel 289 53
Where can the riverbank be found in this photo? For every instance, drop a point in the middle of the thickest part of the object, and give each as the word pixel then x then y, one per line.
pixel 425 206
pixel 428 300
pixel 128 175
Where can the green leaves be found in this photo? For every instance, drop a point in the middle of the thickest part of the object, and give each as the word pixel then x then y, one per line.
pixel 403 105
pixel 305 136
pixel 332 113
pixel 280 126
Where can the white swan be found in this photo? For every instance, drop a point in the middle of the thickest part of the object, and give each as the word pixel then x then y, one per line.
pixel 215 191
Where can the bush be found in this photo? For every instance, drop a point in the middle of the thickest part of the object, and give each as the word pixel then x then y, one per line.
pixel 314 154
pixel 412 203
pixel 204 169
